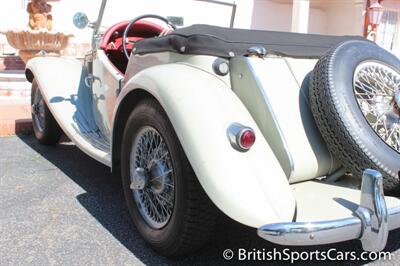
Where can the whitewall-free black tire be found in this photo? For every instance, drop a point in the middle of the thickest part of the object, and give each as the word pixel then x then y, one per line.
pixel 173 214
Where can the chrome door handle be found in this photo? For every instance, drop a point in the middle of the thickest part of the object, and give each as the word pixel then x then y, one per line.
pixel 89 80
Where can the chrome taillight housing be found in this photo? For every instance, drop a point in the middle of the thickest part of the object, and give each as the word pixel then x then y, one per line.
pixel 242 138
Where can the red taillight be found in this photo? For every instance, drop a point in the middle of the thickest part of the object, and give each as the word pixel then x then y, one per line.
pixel 242 138
pixel 247 139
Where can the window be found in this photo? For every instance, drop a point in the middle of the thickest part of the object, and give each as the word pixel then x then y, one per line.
pixel 24 3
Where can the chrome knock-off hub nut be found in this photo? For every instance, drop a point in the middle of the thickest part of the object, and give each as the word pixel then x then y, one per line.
pixel 139 179
pixel 34 109
pixel 397 100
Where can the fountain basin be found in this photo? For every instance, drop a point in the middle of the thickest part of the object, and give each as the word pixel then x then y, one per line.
pixel 31 43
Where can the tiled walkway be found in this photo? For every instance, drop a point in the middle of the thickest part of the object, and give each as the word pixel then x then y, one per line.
pixel 15 116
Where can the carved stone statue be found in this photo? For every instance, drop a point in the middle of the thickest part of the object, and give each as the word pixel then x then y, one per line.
pixel 39 15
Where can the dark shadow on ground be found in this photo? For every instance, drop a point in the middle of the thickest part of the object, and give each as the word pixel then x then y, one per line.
pixel 104 201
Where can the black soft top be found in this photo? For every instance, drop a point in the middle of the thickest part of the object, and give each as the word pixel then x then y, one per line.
pixel 226 42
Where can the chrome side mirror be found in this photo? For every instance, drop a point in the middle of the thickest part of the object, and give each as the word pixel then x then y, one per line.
pixel 80 20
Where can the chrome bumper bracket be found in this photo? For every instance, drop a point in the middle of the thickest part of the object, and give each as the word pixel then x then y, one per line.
pixel 371 223
pixel 373 212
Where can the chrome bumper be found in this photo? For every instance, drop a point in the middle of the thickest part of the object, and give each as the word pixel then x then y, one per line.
pixel 371 222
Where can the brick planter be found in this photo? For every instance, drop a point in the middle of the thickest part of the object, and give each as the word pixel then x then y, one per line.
pixel 11 62
pixel 15 117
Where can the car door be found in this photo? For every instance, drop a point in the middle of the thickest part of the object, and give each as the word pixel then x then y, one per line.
pixel 105 81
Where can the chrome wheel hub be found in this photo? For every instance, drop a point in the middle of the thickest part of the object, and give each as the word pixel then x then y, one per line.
pixel 158 178
pixel 138 178
pixel 377 90
pixel 152 179
pixel 397 101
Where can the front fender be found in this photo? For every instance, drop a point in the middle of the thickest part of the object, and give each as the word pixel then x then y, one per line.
pixel 249 187
pixel 63 87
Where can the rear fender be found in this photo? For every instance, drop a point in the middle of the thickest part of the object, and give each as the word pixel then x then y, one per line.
pixel 249 187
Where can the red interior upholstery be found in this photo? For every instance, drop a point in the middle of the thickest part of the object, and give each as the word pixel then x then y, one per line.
pixel 142 29
pixel 116 45
pixel 112 40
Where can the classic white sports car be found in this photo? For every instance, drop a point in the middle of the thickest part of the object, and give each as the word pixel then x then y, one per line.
pixel 295 135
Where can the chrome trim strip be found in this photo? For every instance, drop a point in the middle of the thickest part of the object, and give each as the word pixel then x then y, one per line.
pixel 371 224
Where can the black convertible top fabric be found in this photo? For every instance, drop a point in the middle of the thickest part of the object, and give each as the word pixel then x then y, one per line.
pixel 226 42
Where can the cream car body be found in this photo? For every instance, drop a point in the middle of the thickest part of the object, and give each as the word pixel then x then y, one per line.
pixel 91 101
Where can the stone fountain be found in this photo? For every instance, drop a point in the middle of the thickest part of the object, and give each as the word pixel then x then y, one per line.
pixel 38 39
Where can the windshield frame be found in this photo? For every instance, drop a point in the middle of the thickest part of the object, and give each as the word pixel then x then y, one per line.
pixel 233 5
pixel 97 24
pixel 228 3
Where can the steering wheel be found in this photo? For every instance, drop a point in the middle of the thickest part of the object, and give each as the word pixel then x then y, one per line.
pixel 133 21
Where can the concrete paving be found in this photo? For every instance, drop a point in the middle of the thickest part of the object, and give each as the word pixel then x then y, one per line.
pixel 60 207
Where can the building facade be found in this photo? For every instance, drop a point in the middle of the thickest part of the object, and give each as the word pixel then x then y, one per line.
pixel 334 17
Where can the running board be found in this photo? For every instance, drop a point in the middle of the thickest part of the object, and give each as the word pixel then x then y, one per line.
pixel 75 116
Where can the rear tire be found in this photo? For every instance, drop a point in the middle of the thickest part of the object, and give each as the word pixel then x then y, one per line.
pixel 189 217
pixel 45 127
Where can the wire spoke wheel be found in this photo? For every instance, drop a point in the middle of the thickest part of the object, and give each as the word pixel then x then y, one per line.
pixel 38 110
pixel 377 90
pixel 46 129
pixel 152 177
pixel 355 101
pixel 165 200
